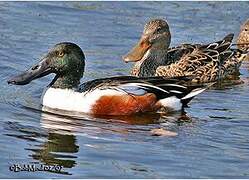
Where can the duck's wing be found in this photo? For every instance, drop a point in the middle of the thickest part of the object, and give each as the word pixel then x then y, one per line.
pixel 189 64
pixel 93 84
pixel 231 65
pixel 204 62
pixel 229 59
pixel 227 63
pixel 160 86
pixel 174 54
pixel 119 80
pixel 220 46
pixel 164 92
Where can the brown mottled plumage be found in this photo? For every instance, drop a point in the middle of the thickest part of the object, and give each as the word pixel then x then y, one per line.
pixel 207 63
pixel 243 38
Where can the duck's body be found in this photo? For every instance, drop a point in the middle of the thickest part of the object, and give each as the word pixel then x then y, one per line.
pixel 243 38
pixel 207 63
pixel 121 95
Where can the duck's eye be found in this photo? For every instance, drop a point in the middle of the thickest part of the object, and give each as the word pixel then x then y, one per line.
pixel 61 53
pixel 246 30
pixel 35 67
pixel 158 30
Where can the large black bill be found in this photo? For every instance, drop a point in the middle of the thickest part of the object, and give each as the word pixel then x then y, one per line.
pixel 39 70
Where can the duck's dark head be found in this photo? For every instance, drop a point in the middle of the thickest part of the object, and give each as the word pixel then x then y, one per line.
pixel 65 59
pixel 156 36
pixel 243 38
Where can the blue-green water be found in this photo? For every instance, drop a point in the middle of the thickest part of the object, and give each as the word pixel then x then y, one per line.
pixel 214 143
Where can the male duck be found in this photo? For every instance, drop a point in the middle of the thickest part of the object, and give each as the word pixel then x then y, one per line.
pixel 121 95
pixel 206 63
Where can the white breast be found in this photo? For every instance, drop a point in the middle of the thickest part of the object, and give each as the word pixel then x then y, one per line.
pixel 70 100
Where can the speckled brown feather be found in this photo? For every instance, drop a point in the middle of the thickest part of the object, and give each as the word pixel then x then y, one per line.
pixel 206 63
pixel 243 38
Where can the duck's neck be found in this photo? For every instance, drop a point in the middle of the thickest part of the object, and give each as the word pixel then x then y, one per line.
pixel 68 81
pixel 148 64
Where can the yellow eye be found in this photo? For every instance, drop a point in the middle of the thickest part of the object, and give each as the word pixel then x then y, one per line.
pixel 61 54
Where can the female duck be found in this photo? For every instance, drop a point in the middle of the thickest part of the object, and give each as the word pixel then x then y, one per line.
pixel 121 95
pixel 206 63
pixel 243 38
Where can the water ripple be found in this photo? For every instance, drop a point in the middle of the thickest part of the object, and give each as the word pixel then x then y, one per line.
pixel 211 140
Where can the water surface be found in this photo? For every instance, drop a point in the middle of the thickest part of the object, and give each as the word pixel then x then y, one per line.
pixel 212 143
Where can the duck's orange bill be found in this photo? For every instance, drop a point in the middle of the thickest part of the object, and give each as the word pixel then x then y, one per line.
pixel 138 51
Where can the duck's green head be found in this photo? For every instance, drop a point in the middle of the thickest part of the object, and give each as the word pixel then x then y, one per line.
pixel 65 59
pixel 156 36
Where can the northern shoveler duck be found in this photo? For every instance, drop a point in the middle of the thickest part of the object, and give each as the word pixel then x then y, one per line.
pixel 243 38
pixel 207 63
pixel 120 95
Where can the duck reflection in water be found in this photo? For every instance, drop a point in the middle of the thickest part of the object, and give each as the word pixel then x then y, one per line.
pixel 47 147
pixel 59 142
pixel 57 150
pixel 74 118
pixel 60 148
pixel 97 126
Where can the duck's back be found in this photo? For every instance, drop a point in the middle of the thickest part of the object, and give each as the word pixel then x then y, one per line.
pixel 206 63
